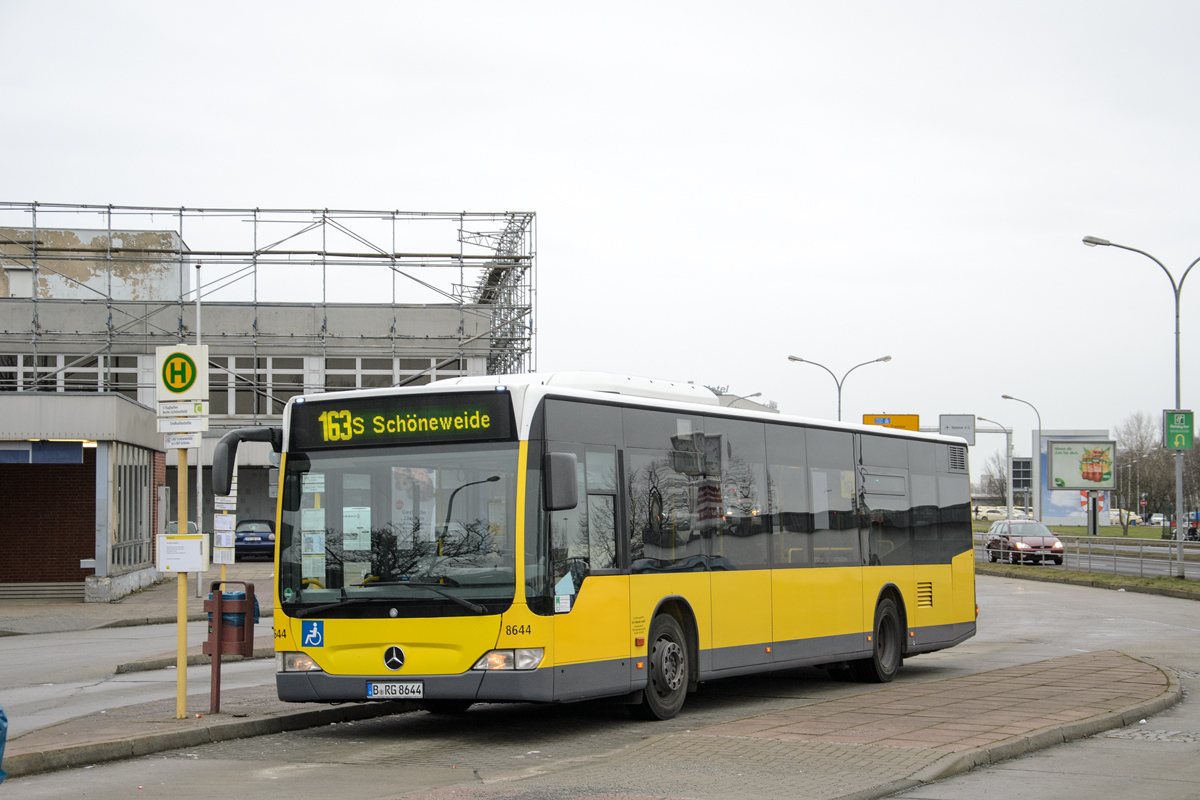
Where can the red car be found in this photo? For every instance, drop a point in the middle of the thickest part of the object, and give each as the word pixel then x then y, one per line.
pixel 1023 540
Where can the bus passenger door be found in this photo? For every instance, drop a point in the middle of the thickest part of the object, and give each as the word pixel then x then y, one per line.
pixel 591 596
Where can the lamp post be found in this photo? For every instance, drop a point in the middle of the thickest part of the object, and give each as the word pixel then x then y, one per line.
pixel 1037 451
pixel 835 377
pixel 1176 288
pixel 1129 484
pixel 1009 449
pixel 743 397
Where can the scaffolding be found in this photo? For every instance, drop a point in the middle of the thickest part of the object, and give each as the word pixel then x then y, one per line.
pixel 115 263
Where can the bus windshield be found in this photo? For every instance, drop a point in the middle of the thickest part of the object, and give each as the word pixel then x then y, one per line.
pixel 399 531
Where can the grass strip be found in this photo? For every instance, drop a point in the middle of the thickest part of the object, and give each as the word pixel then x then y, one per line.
pixel 1168 587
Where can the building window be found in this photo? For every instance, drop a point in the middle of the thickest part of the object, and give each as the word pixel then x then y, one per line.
pixel 246 386
pixel 68 373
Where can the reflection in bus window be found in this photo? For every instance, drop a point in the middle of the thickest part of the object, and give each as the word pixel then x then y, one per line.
pixel 831 481
pixel 788 486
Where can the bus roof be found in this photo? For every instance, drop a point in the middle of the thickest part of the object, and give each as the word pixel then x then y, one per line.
pixel 528 388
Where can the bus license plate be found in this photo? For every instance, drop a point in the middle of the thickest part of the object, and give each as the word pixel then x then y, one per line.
pixel 396 690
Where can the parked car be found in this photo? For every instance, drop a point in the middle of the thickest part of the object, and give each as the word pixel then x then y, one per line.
pixel 1157 519
pixel 254 537
pixel 173 527
pixel 1117 514
pixel 1023 540
pixel 993 513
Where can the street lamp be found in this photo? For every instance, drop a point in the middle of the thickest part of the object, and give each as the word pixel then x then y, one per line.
pixel 835 377
pixel 1008 446
pixel 743 397
pixel 1037 452
pixel 1176 288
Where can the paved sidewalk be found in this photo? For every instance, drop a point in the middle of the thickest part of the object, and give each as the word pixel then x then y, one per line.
pixel 154 605
pixel 866 745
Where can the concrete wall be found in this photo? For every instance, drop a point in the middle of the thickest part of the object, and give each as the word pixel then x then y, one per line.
pixel 81 264
pixel 230 328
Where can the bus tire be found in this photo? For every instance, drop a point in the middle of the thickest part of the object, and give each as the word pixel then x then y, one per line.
pixel 886 652
pixel 668 671
pixel 446 707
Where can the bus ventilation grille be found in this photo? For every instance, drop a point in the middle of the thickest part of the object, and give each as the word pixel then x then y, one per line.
pixel 924 594
pixel 958 459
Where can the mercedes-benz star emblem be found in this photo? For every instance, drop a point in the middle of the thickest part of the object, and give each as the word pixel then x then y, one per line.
pixel 393 658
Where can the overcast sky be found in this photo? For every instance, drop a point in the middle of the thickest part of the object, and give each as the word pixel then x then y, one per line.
pixel 717 185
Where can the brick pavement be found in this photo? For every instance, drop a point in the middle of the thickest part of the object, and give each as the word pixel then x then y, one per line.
pixel 867 745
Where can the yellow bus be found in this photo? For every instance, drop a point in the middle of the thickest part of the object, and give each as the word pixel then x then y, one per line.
pixel 566 536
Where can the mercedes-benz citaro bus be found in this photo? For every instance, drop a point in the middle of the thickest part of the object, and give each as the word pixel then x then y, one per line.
pixel 565 536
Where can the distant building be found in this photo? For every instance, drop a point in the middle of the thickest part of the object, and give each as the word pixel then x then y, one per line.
pixel 83 307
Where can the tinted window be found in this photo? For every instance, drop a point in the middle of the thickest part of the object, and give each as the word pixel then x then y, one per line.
pixel 888 515
pixel 741 534
pixel 588 423
pixel 787 484
pixel 831 484
pixel 658 430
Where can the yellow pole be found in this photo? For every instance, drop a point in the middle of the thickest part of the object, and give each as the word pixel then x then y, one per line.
pixel 181 595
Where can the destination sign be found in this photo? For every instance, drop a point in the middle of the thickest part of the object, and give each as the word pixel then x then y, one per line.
pixel 401 419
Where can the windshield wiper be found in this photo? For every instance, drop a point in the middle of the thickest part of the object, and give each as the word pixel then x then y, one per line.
pixel 436 589
pixel 433 587
pixel 304 612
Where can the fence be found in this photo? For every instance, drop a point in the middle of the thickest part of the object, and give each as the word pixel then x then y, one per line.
pixel 1115 555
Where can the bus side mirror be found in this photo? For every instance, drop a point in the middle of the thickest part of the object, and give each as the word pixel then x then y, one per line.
pixel 225 454
pixel 562 493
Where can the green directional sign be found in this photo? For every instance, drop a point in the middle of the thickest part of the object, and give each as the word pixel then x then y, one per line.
pixel 1177 429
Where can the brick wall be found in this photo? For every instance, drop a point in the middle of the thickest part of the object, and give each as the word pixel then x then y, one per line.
pixel 159 479
pixel 47 520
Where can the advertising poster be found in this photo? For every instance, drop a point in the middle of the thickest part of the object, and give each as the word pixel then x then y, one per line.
pixel 1081 465
pixel 1058 506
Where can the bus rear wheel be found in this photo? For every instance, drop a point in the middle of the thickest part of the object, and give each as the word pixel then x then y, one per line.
pixel 886 652
pixel 667 683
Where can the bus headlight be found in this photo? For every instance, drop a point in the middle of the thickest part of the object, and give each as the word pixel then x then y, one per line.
pixel 296 662
pixel 522 658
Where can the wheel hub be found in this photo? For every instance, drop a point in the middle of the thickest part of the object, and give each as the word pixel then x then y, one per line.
pixel 670 664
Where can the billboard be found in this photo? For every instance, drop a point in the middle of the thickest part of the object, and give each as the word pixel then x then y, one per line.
pixel 1081 465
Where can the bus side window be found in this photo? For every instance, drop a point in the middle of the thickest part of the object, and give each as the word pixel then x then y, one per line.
pixel 569 536
pixel 831 483
pixel 584 539
pixel 787 489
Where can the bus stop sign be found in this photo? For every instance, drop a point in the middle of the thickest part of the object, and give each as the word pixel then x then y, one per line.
pixel 181 373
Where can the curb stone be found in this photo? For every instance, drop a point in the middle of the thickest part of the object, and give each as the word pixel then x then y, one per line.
pixel 27 764
pixel 193 660
pixel 957 763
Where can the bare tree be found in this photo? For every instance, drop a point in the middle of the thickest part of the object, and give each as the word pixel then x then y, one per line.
pixel 993 482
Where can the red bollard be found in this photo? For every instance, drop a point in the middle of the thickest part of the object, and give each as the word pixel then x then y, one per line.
pixel 225 638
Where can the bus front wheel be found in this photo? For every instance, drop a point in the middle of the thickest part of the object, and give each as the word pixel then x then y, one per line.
pixel 667 683
pixel 886 654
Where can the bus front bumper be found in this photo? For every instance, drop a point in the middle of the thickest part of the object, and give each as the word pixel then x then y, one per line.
pixel 524 686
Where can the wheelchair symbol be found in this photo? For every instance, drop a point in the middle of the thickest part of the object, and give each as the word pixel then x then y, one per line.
pixel 312 634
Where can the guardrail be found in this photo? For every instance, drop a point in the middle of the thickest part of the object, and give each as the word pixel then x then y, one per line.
pixel 1117 555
